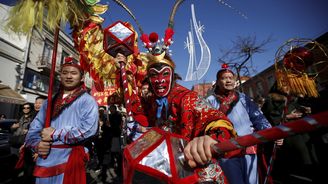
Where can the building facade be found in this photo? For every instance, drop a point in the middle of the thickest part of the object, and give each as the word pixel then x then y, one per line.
pixel 203 89
pixel 260 84
pixel 25 61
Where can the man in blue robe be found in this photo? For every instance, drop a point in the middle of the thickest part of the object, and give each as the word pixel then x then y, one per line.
pixel 246 118
pixel 74 119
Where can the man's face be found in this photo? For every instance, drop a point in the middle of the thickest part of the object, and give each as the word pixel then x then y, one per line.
pixel 70 77
pixel 101 111
pixel 38 104
pixel 226 81
pixel 144 90
pixel 161 80
pixel 112 109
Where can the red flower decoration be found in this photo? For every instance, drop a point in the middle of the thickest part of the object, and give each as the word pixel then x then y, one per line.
pixel 168 35
pixel 145 39
pixel 224 66
pixel 153 37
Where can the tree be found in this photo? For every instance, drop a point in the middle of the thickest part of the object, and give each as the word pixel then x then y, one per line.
pixel 241 52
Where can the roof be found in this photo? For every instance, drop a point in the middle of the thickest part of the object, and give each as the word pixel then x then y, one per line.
pixel 8 95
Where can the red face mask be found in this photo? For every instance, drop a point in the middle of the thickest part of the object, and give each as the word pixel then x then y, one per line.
pixel 161 80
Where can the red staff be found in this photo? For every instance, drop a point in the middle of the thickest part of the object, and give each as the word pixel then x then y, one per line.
pixel 120 39
pixel 51 80
pixel 303 125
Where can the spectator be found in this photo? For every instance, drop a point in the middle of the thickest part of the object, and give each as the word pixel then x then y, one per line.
pixel 246 118
pixel 145 92
pixel 19 129
pixel 102 141
pixel 3 117
pixel 259 100
pixel 115 122
pixel 295 158
pixel 37 104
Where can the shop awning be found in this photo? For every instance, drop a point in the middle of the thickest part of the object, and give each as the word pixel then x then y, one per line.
pixel 8 95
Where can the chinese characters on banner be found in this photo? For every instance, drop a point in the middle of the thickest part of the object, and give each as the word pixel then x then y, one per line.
pixel 109 94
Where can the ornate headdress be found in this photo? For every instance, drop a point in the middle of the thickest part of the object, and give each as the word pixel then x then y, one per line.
pixel 157 49
pixel 70 61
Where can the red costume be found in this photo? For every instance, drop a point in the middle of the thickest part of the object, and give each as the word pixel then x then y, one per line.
pixel 185 118
pixel 188 115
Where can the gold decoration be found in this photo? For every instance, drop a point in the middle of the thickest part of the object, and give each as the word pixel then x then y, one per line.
pixel 294 71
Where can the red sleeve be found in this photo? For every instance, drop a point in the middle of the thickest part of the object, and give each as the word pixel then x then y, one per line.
pixel 222 134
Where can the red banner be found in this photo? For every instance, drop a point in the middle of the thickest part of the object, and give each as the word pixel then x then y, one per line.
pixel 102 96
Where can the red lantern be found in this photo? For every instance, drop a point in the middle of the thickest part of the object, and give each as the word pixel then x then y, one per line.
pixel 298 59
pixel 119 38
pixel 142 162
pixel 157 157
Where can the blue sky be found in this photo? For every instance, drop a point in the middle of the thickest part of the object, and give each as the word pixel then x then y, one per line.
pixel 280 19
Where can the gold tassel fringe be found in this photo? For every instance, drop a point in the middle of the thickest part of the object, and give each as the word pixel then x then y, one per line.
pixel 299 84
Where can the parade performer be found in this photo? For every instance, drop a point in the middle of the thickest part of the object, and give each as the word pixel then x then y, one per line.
pixel 246 118
pixel 74 120
pixel 178 110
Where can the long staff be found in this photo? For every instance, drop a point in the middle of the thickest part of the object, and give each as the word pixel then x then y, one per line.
pixel 51 80
pixel 303 125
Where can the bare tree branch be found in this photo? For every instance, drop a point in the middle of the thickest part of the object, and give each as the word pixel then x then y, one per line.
pixel 239 57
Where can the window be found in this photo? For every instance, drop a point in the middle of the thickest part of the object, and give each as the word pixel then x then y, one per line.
pixel 250 93
pixel 271 80
pixel 47 53
pixel 64 55
pixel 35 81
pixel 259 87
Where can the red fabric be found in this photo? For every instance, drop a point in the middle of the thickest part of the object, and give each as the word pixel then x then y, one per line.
pixel 263 167
pixel 20 162
pixel 227 102
pixel 60 104
pixel 75 166
pixel 44 172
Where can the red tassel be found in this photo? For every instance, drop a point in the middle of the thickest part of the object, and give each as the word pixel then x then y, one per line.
pixel 168 35
pixel 145 39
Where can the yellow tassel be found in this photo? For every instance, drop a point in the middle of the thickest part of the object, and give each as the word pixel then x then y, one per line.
pixel 21 17
pixel 99 9
pixel 300 84
pixel 39 14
